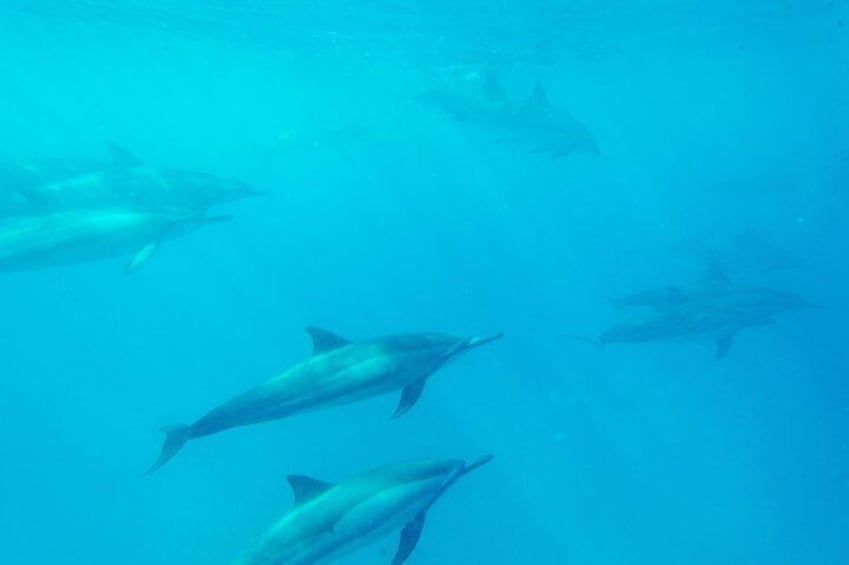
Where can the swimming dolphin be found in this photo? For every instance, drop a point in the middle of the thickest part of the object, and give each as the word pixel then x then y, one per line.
pixel 338 372
pixel 535 123
pixel 718 323
pixel 52 185
pixel 709 285
pixel 715 287
pixel 39 242
pixel 329 520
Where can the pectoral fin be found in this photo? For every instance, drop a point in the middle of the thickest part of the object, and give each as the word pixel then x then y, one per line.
pixel 409 396
pixel 143 255
pixel 409 538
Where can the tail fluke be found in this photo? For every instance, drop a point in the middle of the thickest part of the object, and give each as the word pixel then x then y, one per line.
pixel 175 438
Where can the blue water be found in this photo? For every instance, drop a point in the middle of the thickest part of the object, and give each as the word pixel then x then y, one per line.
pixel 385 217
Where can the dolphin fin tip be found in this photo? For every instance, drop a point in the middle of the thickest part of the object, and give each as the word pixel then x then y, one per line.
pixel 175 438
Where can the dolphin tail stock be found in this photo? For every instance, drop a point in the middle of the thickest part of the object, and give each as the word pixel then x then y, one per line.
pixel 175 438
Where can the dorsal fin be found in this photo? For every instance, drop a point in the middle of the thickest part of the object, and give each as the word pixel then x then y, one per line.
pixel 324 341
pixel 715 275
pixel 121 157
pixel 492 87
pixel 305 488
pixel 539 98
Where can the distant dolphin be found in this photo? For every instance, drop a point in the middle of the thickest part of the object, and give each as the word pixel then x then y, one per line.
pixel 688 321
pixel 329 520
pixel 715 287
pixel 55 185
pixel 338 372
pixel 39 242
pixel 535 123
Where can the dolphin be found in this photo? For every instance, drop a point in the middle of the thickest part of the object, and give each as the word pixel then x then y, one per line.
pixel 711 284
pixel 329 520
pixel 63 238
pixel 718 323
pixel 535 123
pixel 52 185
pixel 715 287
pixel 338 372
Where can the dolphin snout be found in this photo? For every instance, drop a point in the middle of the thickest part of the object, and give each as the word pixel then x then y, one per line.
pixel 482 340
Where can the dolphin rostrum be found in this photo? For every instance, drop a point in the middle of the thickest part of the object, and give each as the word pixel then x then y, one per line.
pixel 338 372
pixel 329 520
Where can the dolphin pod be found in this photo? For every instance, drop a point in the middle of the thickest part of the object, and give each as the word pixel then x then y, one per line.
pixel 712 308
pixel 329 520
pixel 338 372
pixel 56 212
pixel 61 212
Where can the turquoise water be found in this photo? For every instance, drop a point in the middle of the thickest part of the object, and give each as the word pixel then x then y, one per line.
pixel 385 215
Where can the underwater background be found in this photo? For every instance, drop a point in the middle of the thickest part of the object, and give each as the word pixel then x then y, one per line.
pixel 713 119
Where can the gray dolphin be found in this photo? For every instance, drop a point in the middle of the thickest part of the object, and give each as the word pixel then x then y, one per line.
pixel 338 372
pixel 329 520
pixel 39 242
pixel 715 287
pixel 53 185
pixel 718 323
pixel 535 123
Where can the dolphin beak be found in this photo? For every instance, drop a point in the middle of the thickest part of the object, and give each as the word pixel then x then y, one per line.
pixel 480 462
pixel 468 467
pixel 477 341
pixel 470 343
